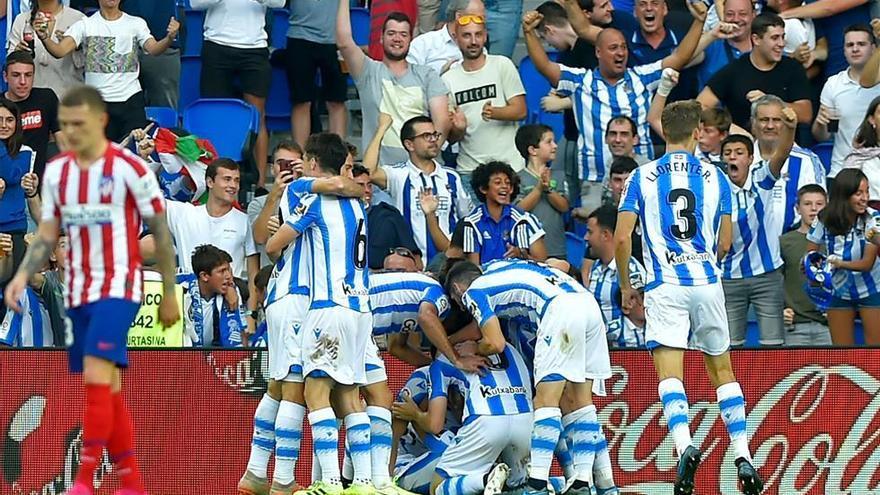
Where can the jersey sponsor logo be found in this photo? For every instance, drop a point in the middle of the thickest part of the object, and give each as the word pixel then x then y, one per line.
pixel 471 95
pixel 87 215
pixel 31 120
pixel 350 290
pixel 679 259
pixel 487 391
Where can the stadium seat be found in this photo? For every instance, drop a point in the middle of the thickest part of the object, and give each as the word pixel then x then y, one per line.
pixel 195 22
pixel 278 106
pixel 190 76
pixel 823 150
pixel 280 22
pixel 360 26
pixel 574 249
pixel 163 116
pixel 228 123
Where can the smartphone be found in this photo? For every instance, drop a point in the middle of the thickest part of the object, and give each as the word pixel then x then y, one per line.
pixel 833 125
pixel 285 165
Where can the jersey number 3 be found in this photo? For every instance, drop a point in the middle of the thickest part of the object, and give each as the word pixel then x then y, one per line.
pixel 683 204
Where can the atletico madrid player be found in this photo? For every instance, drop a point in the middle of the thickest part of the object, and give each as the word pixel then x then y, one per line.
pixel 99 192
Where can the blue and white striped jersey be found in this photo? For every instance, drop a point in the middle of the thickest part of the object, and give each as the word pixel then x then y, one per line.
pixel 504 389
pixel 757 225
pixel 679 201
pixel 336 231
pixel 31 327
pixel 293 269
pixel 605 286
pixel 396 296
pixel 802 167
pixel 519 288
pixel 596 103
pixel 482 234
pixel 848 284
pixel 418 387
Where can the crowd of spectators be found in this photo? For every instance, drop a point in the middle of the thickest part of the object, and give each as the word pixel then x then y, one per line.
pixel 453 161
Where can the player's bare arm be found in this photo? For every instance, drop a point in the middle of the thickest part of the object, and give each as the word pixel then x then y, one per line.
pixel 338 186
pixel 493 339
pixel 280 240
pixel 725 236
pixel 399 347
pixel 169 313
pixel 429 322
pixel 626 222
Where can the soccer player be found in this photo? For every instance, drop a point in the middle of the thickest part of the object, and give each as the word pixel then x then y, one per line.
pixel 337 327
pixel 99 193
pixel 683 205
pixel 570 354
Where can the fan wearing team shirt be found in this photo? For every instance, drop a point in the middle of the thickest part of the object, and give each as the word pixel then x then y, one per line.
pixel 212 312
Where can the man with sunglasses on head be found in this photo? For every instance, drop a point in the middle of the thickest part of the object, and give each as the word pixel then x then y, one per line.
pixel 437 49
pixel 489 101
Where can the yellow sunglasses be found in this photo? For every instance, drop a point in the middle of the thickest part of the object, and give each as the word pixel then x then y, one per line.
pixel 467 19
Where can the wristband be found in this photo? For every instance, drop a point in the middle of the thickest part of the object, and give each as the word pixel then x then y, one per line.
pixel 31 196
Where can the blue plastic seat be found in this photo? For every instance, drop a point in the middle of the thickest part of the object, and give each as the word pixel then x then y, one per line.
pixel 575 247
pixel 162 116
pixel 537 87
pixel 823 150
pixel 278 106
pixel 280 23
pixel 360 26
pixel 195 23
pixel 227 122
pixel 190 77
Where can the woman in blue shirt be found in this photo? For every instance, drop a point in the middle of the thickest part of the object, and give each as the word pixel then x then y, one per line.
pixel 16 160
pixel 841 229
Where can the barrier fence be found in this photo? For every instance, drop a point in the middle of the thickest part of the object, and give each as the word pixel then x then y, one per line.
pixel 813 421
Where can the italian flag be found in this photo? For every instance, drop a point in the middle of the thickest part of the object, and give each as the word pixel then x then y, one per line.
pixel 184 160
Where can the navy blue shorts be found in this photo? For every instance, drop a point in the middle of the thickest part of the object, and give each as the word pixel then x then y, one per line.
pixel 100 329
pixel 870 302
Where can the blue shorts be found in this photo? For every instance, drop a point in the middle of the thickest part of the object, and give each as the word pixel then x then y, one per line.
pixel 100 329
pixel 872 301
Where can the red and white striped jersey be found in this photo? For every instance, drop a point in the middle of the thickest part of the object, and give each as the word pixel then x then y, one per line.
pixel 101 208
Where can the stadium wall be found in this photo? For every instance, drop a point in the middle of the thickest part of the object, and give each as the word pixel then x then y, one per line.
pixel 813 416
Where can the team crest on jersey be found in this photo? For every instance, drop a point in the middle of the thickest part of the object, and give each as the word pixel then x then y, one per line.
pixel 106 185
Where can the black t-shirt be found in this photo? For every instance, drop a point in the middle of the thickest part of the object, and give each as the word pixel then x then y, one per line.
pixel 387 229
pixel 39 118
pixel 787 80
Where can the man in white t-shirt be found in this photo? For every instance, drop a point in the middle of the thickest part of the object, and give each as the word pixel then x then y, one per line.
pixel 489 100
pixel 111 40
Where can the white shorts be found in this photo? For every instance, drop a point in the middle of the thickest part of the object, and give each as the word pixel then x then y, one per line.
pixel 687 318
pixel 284 318
pixel 479 443
pixel 414 473
pixel 571 342
pixel 373 364
pixel 334 344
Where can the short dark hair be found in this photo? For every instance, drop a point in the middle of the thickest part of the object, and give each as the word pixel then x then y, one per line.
pixel 464 272
pixel 359 170
pixel 811 189
pixel 13 144
pixel 530 135
pixel 227 163
pixel 288 145
pixel 207 257
pixel 738 138
pixel 622 165
pixel 718 118
pixel 622 118
pixel 408 128
pixel 861 27
pixel 586 5
pixel 397 17
pixel 764 21
pixel 18 57
pixel 261 280
pixel 328 150
pixel 481 176
pixel 606 216
pixel 84 95
pixel 554 14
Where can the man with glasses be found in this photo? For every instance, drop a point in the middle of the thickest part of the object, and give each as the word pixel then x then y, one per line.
pixel 489 101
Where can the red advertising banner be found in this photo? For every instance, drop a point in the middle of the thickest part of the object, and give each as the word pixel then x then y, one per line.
pixel 813 421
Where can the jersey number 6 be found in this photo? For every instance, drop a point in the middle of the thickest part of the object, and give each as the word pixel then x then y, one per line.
pixel 360 246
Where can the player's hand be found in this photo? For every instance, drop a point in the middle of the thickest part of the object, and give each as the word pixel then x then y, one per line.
pixel 788 316
pixel 698 9
pixel 30 182
pixel 406 410
pixel 472 364
pixel 531 20
pixel 173 28
pixel 169 313
pixel 668 81
pixel 14 291
pixel 488 112
pixel 385 121
pixel 628 299
pixel 428 201
pixel 273 225
pixel 789 117
pixel 754 95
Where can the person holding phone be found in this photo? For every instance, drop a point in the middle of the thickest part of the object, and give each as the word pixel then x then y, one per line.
pixel 287 165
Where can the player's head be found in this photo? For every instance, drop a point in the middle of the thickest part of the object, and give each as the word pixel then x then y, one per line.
pixel 767 119
pixel 213 267
pixel 651 15
pixel 223 178
pixel 287 156
pixel 400 259
pixel 10 126
pixel 848 200
pixel 471 35
pixel 555 27
pixel 600 231
pixel 420 138
pixel 361 175
pixel 535 142
pixel 19 74
pixel 82 116
pixel 768 36
pixel 459 278
pixel 325 154
pixel 261 281
pixel 738 152
pixel 396 36
pixel 681 123
pixel 611 52
pixel 495 183
pixel 811 200
pixel 714 127
pixel 621 167
pixel 621 136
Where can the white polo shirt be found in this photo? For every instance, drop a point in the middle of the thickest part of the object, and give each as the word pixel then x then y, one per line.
pixel 851 101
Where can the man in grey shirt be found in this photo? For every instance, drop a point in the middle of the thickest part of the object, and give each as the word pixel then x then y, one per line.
pixel 392 86
pixel 311 49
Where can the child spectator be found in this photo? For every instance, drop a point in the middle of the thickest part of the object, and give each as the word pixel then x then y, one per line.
pixel 714 127
pixel 543 188
pixel 211 303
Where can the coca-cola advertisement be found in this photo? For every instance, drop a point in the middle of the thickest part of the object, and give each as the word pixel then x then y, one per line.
pixel 813 421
